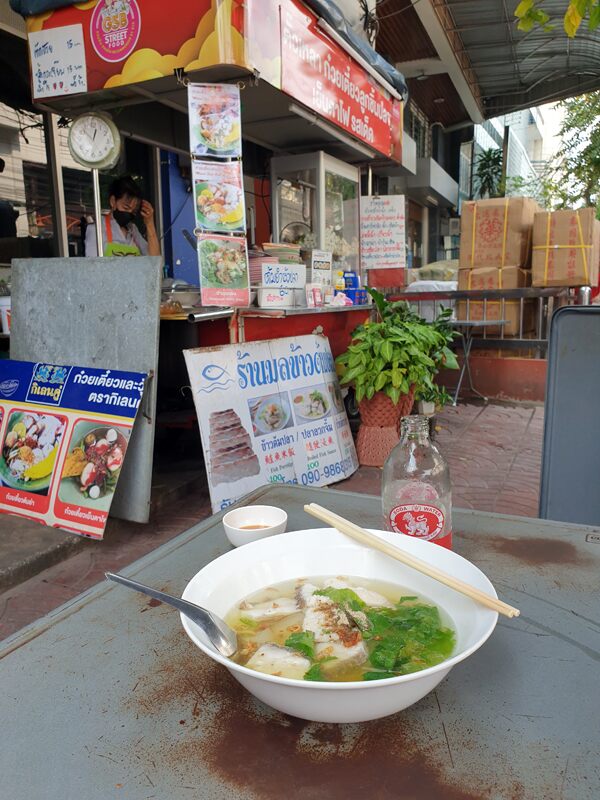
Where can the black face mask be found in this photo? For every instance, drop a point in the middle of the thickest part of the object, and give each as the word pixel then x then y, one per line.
pixel 123 218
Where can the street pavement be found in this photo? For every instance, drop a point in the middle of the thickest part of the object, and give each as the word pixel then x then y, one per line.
pixel 494 454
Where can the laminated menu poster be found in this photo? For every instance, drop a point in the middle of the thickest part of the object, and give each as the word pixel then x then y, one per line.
pixel 215 120
pixel 270 412
pixel 64 432
pixel 224 271
pixel 219 196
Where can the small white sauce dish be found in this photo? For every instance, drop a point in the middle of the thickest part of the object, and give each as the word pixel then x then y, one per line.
pixel 251 523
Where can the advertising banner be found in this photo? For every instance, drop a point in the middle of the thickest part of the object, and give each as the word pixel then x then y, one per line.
pixel 270 412
pixel 64 432
pixel 131 41
pixel 383 232
pixel 319 73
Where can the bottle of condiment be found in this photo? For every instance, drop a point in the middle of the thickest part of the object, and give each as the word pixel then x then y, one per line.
pixel 416 491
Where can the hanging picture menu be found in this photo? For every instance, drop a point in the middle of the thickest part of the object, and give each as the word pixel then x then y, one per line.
pixel 215 120
pixel 219 196
pixel 218 191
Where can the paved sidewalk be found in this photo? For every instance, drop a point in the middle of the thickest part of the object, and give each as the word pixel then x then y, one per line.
pixel 494 453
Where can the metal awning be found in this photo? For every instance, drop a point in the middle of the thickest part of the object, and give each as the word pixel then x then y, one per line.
pixel 516 69
pixel 469 57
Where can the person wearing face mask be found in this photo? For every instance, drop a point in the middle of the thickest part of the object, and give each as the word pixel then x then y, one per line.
pixel 120 234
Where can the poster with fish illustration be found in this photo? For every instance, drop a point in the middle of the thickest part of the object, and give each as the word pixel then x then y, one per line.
pixel 64 432
pixel 270 412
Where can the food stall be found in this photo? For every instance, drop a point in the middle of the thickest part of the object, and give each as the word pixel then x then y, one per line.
pixel 317 108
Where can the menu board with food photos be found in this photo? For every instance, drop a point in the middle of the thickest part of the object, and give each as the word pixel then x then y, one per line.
pixel 64 432
pixel 218 189
pixel 270 412
pixel 215 120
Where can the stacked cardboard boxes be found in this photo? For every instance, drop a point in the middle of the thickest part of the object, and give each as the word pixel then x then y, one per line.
pixel 566 248
pixel 495 253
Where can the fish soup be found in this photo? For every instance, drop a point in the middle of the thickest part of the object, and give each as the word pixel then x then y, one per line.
pixel 339 629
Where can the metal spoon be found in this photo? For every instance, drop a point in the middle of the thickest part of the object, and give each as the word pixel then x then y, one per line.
pixel 223 638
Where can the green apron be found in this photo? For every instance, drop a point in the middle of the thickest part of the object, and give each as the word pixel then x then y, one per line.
pixel 117 248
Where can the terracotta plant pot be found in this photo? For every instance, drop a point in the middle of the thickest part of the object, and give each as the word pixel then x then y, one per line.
pixel 380 412
pixel 379 427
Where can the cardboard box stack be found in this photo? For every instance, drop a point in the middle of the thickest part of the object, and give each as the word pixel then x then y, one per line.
pixel 566 248
pixel 495 253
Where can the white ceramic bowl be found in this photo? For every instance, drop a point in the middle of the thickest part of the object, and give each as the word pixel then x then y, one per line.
pixel 274 518
pixel 325 552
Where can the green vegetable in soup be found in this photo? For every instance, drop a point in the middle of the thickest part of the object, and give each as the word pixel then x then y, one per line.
pixel 303 642
pixel 341 596
pixel 407 638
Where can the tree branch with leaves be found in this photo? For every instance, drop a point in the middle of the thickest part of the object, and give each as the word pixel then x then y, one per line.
pixel 531 14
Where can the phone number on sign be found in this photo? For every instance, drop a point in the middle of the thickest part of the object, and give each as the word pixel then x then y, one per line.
pixel 337 469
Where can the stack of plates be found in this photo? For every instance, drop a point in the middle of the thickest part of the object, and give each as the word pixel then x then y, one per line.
pixel 255 259
pixel 284 253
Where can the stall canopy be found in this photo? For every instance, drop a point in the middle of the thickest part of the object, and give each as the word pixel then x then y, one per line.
pixel 308 82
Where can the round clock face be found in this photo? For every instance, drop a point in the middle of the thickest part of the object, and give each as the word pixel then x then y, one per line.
pixel 94 140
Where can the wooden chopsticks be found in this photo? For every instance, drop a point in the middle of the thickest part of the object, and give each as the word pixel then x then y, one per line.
pixel 364 537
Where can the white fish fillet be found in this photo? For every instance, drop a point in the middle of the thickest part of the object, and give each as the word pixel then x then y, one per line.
pixel 269 611
pixel 324 619
pixel 304 593
pixel 344 656
pixel 283 661
pixel 368 596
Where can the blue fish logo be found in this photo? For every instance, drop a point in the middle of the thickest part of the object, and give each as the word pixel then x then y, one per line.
pixel 217 377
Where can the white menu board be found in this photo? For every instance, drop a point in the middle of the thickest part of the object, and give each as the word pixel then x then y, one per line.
pixel 270 412
pixel 58 64
pixel 383 232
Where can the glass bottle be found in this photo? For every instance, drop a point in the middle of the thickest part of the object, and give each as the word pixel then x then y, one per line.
pixel 416 492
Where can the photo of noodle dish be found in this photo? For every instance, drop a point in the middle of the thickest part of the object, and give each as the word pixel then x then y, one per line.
pixel 220 206
pixel 223 263
pixel 270 414
pixel 218 126
pixel 312 403
pixel 30 449
pixel 93 462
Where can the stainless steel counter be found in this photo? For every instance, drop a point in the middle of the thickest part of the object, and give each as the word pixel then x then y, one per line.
pixel 107 698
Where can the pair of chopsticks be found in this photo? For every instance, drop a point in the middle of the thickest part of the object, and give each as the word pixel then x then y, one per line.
pixel 364 537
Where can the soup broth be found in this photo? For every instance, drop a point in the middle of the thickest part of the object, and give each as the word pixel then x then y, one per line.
pixel 339 629
pixel 253 527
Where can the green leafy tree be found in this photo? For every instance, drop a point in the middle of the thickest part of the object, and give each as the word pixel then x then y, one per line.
pixel 531 14
pixel 577 172
pixel 488 173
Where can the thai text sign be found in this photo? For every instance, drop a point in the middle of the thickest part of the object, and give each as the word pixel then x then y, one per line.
pixel 316 71
pixel 57 62
pixel 284 276
pixel 270 412
pixel 64 433
pixel 383 232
